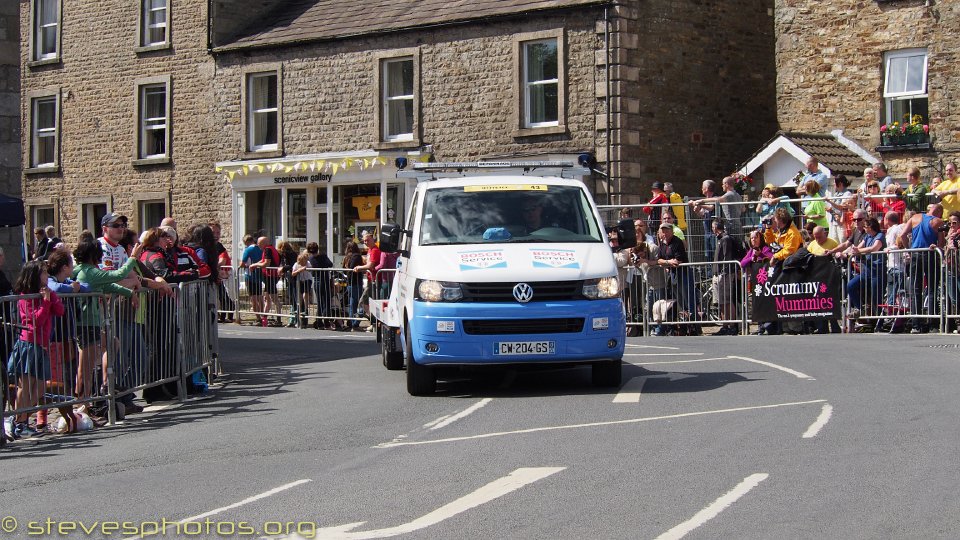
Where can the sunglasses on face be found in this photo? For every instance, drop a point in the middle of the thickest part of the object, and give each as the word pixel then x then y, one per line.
pixel 117 225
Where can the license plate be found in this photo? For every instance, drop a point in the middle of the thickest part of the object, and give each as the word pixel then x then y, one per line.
pixel 517 348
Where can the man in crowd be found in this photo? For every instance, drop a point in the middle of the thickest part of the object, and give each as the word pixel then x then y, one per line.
pixel 727 277
pixel 707 211
pixel 813 172
pixel 821 243
pixel 891 221
pixel 679 209
pixel 727 206
pixel 40 252
pixel 916 194
pixel 881 175
pixel 373 259
pixel 843 250
pixel 923 232
pixel 948 190
pixel 659 197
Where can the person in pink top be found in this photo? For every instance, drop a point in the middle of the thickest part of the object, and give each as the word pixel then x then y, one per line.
pixel 29 361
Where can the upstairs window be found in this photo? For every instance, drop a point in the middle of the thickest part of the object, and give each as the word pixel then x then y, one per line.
pixel 155 20
pixel 154 121
pixel 44 132
pixel 46 30
pixel 540 84
pixel 398 99
pixel 263 113
pixel 905 85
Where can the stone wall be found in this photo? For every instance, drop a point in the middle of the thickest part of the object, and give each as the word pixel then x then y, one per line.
pixel 98 115
pixel 11 239
pixel 830 70
pixel 697 85
pixel 466 91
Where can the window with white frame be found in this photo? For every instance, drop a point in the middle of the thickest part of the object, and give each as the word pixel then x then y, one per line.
pixel 397 95
pixel 154 121
pixel 540 83
pixel 151 213
pixel 263 116
pixel 46 29
pixel 43 215
pixel 905 86
pixel 44 132
pixel 154 22
pixel 90 215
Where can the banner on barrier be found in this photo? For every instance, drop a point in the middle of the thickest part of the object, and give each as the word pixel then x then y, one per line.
pixel 797 295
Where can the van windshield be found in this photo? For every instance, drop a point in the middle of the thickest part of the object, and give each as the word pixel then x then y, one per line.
pixel 507 213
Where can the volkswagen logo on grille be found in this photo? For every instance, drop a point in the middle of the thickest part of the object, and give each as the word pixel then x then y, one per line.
pixel 523 292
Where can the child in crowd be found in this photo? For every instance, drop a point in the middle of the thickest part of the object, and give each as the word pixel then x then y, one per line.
pixel 301 286
pixel 29 362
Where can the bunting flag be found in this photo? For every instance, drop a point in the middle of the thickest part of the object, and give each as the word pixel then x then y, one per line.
pixel 320 165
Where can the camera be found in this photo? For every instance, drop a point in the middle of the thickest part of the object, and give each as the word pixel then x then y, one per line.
pixel 944 227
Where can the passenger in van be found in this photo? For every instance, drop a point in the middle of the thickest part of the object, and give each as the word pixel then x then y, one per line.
pixel 535 216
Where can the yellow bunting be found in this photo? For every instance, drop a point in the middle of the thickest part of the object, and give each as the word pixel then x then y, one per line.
pixel 231 174
pixel 288 169
pixel 335 166
pixel 246 169
pixel 259 168
pixel 219 169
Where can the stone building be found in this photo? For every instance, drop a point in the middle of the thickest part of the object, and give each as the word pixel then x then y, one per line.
pixel 283 118
pixel 11 239
pixel 856 66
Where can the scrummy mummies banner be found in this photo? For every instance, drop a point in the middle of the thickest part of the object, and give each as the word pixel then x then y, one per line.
pixel 797 295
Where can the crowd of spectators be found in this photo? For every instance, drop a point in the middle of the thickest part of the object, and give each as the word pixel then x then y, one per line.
pixel 50 340
pixel 863 229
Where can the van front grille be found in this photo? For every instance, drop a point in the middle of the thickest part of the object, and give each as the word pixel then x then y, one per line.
pixel 543 291
pixel 523 326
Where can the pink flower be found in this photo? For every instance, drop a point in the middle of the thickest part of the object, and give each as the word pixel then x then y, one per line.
pixel 823 288
pixel 926 128
pixel 883 128
pixel 903 129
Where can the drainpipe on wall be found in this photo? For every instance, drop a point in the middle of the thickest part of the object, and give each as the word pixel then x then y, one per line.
pixel 606 45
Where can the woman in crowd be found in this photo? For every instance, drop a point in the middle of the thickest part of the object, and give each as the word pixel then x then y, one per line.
pixel 88 256
pixel 63 341
pixel 300 280
pixel 783 237
pixel 288 257
pixel 952 260
pixel 841 204
pixel 322 285
pixel 351 259
pixel 814 209
pixel 871 260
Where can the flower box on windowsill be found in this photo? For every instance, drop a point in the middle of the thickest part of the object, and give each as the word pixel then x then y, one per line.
pixel 919 141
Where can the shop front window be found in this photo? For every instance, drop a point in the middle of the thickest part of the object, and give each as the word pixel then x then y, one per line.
pixel 297 217
pixel 262 213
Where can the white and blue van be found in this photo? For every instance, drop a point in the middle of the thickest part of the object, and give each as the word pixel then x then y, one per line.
pixel 502 268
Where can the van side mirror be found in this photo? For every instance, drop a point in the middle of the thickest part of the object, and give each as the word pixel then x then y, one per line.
pixel 626 234
pixel 390 236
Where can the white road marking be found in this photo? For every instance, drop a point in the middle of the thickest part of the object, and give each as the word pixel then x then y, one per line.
pixel 392 444
pixel 821 421
pixel 715 508
pixel 630 392
pixel 447 420
pixel 664 354
pixel 631 345
pixel 678 361
pixel 248 500
pixel 498 488
pixel 796 374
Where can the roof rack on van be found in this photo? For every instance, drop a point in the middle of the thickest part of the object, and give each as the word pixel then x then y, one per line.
pixel 432 171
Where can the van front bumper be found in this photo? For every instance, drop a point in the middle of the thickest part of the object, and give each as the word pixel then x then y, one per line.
pixel 580 331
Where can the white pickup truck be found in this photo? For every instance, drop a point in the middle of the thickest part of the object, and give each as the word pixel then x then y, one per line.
pixel 502 268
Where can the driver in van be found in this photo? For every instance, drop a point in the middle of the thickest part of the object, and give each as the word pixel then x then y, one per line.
pixel 532 210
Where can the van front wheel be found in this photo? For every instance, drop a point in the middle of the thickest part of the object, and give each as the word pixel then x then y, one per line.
pixel 421 380
pixel 607 374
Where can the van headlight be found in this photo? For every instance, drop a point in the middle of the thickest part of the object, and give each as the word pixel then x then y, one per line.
pixel 608 287
pixel 438 291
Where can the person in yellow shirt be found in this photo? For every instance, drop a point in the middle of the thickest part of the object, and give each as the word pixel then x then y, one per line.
pixel 679 207
pixel 821 243
pixel 948 190
pixel 783 238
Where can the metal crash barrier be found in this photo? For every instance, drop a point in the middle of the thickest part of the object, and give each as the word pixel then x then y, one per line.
pixel 103 348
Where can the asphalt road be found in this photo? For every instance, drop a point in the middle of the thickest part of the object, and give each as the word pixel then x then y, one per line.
pixel 710 437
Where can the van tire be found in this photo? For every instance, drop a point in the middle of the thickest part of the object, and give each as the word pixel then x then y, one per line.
pixel 608 373
pixel 421 380
pixel 392 358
